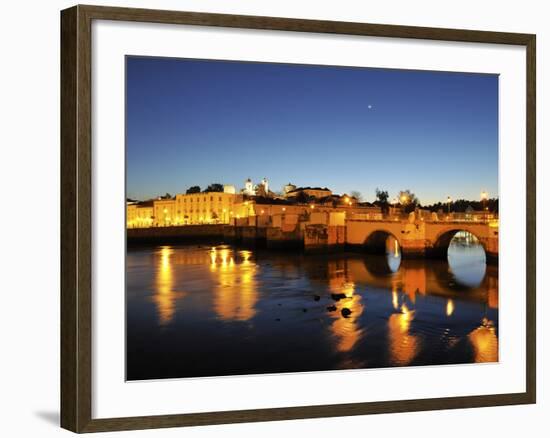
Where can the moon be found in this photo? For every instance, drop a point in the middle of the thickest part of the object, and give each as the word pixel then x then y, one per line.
pixel 369 106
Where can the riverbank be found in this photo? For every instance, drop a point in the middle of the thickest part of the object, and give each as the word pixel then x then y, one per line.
pixel 311 239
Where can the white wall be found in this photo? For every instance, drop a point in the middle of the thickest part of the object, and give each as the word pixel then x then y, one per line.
pixel 29 176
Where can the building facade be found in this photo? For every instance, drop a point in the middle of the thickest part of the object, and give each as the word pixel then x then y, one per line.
pixel 139 214
pixel 209 208
pixel 313 192
pixel 165 212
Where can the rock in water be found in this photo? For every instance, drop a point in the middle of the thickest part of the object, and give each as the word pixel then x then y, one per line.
pixel 338 297
pixel 346 312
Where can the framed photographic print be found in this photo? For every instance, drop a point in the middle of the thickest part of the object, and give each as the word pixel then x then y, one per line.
pixel 270 218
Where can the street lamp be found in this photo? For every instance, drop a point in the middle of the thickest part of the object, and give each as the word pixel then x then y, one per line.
pixel 484 196
pixel 449 200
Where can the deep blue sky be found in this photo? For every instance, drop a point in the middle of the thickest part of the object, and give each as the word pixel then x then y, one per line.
pixel 194 122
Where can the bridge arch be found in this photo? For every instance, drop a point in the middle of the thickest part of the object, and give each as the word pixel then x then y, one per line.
pixel 443 239
pixel 375 242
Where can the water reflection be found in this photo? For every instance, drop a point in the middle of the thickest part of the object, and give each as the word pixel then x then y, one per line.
pixel 450 308
pixel 246 311
pixel 393 252
pixel 466 259
pixel 165 296
pixel 236 292
pixel 346 329
pixel 403 346
pixel 485 342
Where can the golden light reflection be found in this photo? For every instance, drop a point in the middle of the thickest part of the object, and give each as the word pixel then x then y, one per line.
pixel 236 292
pixel 414 280
pixel 450 307
pixel 165 297
pixel 484 341
pixel 403 347
pixel 346 331
pixel 394 297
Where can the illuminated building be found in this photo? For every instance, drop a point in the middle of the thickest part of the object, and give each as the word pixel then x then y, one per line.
pixel 139 214
pixel 249 188
pixel 313 192
pixel 262 189
pixel 247 207
pixel 164 212
pixel 208 208
pixel 288 188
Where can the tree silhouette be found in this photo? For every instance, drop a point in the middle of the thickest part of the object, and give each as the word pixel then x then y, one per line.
pixel 215 187
pixel 357 195
pixel 382 200
pixel 193 189
pixel 302 198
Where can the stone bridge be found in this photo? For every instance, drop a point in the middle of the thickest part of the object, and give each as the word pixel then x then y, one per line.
pixel 419 238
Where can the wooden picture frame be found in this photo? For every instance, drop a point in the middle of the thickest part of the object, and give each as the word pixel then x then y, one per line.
pixel 76 217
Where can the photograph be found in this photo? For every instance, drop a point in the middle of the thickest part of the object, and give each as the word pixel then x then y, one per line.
pixel 293 218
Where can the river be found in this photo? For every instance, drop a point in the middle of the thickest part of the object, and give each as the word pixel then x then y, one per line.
pixel 195 311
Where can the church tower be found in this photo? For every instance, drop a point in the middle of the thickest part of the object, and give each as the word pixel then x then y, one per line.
pixel 249 187
pixel 265 183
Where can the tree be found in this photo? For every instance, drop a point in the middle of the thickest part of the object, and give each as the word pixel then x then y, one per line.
pixel 408 200
pixel 193 189
pixel 461 205
pixel 357 195
pixel 382 196
pixel 382 200
pixel 215 187
pixel 302 198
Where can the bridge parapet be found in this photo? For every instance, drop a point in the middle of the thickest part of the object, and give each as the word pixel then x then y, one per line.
pixel 419 238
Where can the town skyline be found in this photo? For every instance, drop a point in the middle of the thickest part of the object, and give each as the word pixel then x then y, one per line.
pixel 197 122
pixel 393 197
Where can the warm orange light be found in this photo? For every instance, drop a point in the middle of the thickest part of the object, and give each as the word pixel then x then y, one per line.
pixel 395 299
pixel 347 331
pixel 165 297
pixel 236 296
pixel 450 307
pixel 403 346
pixel 484 342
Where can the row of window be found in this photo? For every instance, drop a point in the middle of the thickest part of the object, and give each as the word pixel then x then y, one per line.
pixel 205 199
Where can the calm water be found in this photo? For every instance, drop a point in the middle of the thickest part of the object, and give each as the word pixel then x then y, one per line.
pixel 210 311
